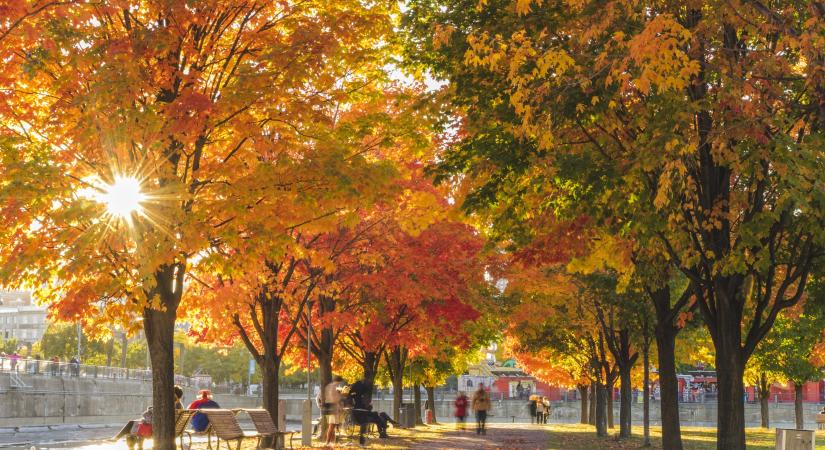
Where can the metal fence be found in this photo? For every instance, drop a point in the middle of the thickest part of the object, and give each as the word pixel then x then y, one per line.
pixel 28 366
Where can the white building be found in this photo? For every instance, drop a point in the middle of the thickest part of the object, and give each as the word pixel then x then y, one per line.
pixel 21 319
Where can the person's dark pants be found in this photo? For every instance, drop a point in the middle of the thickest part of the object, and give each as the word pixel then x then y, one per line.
pixel 364 418
pixel 481 422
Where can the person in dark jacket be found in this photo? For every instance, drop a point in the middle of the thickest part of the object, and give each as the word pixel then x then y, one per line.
pixel 360 394
pixel 531 407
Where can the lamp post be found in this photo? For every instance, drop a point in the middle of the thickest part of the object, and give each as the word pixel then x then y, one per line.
pixel 306 423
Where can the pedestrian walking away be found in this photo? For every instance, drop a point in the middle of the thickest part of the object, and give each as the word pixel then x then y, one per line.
pixel 481 404
pixel 332 407
pixel 461 404
pixel 532 409
pixel 539 410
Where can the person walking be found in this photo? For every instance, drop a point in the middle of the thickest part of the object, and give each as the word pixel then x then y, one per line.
pixel 481 404
pixel 539 410
pixel 332 407
pixel 546 402
pixel 461 403
pixel 13 359
pixel 533 410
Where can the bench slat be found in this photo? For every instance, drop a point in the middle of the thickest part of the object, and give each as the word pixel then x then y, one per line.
pixel 224 424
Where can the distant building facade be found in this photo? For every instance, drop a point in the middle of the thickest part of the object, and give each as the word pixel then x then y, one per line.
pixel 20 318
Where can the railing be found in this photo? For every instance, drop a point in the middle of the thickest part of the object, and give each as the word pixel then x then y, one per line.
pixel 27 366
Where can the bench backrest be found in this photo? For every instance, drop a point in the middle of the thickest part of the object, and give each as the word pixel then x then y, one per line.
pixel 262 421
pixel 182 417
pixel 223 423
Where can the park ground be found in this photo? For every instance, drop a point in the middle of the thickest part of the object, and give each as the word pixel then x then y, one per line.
pixel 506 436
pixel 556 437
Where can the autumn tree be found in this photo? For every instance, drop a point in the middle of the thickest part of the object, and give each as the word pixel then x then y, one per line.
pixel 704 112
pixel 167 103
pixel 792 350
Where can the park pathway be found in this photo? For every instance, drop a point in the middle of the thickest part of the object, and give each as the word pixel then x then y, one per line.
pixel 503 436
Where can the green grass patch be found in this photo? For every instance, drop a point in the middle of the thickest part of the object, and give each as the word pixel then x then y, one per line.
pixel 583 437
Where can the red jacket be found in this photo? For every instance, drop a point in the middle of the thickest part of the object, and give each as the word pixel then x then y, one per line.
pixel 461 406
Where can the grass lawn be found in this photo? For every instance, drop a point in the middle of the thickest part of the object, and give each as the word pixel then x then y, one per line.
pixel 582 437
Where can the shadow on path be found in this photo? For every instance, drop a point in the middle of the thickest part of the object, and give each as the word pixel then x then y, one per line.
pixel 511 436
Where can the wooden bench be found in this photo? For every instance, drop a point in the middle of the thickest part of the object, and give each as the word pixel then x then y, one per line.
pixel 224 425
pixel 820 421
pixel 265 427
pixel 182 417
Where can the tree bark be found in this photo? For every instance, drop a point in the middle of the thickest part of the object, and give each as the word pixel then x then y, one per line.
pixel 591 418
pixel 396 360
pixel 646 390
pixel 417 403
pixel 110 351
pixel 609 387
pixel 159 327
pixel 269 384
pixel 626 399
pixel 665 333
pixel 797 406
pixel 370 367
pixel 764 392
pixel 601 410
pixel 583 391
pixel 124 349
pixel 431 401
pixel 730 434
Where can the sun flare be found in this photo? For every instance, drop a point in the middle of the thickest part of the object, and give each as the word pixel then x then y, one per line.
pixel 123 197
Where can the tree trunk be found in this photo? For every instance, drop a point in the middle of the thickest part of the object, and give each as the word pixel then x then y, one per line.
pixel 417 402
pixel 370 367
pixel 609 388
pixel 730 433
pixel 591 418
pixel 324 372
pixel 124 349
pixel 626 399
pixel 269 385
pixel 764 392
pixel 159 327
pixel 668 385
pixel 110 351
pixel 583 390
pixel 395 363
pixel 797 405
pixel 646 390
pixel 601 410
pixel 431 401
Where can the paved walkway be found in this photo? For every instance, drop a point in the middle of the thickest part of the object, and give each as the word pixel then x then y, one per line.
pixel 503 436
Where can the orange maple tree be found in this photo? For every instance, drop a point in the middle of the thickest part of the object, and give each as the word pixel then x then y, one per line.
pixel 184 99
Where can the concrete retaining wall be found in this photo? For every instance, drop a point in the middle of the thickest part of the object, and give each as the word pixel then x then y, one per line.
pixel 52 401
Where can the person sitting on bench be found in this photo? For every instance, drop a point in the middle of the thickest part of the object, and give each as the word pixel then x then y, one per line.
pixel 361 395
pixel 200 421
